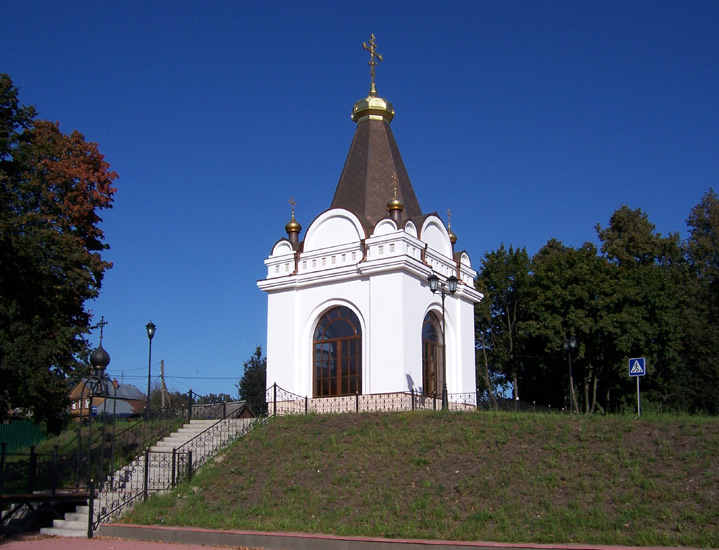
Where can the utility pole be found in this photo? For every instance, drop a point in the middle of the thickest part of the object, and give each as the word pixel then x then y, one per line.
pixel 163 391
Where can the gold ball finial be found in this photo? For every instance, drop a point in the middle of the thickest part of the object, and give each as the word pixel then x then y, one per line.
pixel 452 236
pixel 293 226
pixel 395 204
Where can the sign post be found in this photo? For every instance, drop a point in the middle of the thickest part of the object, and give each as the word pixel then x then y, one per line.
pixel 637 369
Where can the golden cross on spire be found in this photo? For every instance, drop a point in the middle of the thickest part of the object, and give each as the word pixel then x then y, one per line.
pixel 374 58
pixel 293 204
pixel 449 218
pixel 396 179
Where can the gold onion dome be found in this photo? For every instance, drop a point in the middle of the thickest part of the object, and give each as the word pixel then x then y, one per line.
pixel 452 237
pixel 293 226
pixel 373 107
pixel 395 204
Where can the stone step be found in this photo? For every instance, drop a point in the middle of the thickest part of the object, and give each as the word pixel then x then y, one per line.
pixel 75 525
pixel 132 475
pixel 55 532
pixel 77 516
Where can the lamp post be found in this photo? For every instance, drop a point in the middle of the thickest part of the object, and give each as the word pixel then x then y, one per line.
pixel 150 333
pixel 451 286
pixel 96 385
pixel 569 345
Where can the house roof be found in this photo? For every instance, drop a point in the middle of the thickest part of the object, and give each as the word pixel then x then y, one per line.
pixel 123 391
pixel 374 167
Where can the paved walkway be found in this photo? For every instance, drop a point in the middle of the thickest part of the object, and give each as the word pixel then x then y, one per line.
pixel 137 537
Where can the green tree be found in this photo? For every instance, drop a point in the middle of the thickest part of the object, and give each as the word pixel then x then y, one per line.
pixel 252 385
pixel 503 279
pixel 52 186
pixel 702 250
pixel 649 302
pixel 569 295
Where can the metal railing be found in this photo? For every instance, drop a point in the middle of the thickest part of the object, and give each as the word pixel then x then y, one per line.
pixel 157 471
pixel 281 402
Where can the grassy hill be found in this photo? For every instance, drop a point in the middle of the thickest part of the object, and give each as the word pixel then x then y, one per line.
pixel 463 476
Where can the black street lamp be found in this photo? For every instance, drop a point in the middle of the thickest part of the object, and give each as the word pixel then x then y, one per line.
pixel 150 333
pixel 451 285
pixel 569 345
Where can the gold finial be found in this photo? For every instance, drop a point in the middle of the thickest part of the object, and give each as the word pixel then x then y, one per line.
pixel 374 57
pixel 395 206
pixel 293 227
pixel 452 236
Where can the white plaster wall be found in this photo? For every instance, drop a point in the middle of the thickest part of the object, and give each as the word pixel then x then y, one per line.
pixel 388 292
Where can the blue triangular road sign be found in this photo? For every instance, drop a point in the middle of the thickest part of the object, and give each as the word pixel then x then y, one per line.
pixel 637 367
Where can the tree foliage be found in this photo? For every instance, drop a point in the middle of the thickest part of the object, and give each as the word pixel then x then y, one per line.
pixel 639 294
pixel 252 385
pixel 52 188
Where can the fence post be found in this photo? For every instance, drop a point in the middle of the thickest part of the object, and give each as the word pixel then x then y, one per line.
pixel 412 398
pixel 174 465
pixel 306 404
pixel 274 399
pixel 77 464
pixel 189 465
pixel 53 472
pixel 147 473
pixel 189 406
pixel 224 409
pixel 32 470
pixel 3 450
pixel 91 505
pixel 434 400
pixel 356 401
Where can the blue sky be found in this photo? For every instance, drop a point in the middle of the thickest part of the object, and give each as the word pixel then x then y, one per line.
pixel 530 120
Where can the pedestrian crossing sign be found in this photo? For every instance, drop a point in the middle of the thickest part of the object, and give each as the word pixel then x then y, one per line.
pixel 637 366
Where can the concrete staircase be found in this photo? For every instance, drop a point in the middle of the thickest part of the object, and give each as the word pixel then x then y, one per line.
pixel 73 525
pixel 128 482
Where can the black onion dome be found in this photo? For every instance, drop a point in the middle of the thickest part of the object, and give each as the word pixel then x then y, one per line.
pixel 99 358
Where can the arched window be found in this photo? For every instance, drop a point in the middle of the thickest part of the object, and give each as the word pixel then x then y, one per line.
pixel 337 348
pixel 432 355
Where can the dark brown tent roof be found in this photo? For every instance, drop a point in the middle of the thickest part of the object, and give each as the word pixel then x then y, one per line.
pixel 367 182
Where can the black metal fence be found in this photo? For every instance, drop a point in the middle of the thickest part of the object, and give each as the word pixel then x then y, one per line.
pixel 155 471
pixel 281 401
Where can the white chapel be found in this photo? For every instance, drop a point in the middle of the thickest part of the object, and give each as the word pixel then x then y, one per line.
pixel 350 309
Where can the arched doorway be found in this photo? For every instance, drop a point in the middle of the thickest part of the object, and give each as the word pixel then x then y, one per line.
pixel 337 346
pixel 432 355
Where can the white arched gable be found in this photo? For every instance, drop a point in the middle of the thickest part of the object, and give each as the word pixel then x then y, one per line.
pixel 332 228
pixel 435 235
pixel 410 229
pixel 384 227
pixel 464 260
pixel 281 248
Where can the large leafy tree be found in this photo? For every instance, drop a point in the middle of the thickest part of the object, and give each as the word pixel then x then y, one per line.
pixel 52 188
pixel 702 251
pixel 570 297
pixel 252 385
pixel 499 318
pixel 649 302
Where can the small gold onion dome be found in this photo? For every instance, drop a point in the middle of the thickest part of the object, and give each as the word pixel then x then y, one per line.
pixel 395 204
pixel 293 226
pixel 452 237
pixel 373 107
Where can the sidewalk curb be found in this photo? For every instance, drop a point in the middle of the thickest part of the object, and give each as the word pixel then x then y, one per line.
pixel 302 541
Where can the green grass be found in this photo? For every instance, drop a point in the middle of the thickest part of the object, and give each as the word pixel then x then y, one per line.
pixel 463 476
